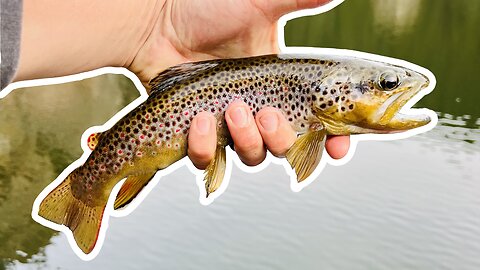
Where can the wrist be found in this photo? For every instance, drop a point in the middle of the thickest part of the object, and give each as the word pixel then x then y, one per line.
pixel 158 51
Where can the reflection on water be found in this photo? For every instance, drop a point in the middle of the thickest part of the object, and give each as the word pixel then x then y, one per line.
pixel 408 204
pixel 396 16
pixel 40 129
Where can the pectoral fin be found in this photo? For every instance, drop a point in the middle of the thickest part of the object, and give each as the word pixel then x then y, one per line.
pixel 306 152
pixel 130 189
pixel 215 171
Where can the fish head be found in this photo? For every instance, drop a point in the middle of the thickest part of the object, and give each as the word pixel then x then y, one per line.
pixel 368 97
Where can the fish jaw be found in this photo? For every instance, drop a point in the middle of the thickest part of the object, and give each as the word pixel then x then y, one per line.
pixel 390 118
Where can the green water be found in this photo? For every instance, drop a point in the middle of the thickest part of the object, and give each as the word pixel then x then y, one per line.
pixel 410 204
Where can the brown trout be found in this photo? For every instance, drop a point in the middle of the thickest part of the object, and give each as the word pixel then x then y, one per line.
pixel 319 97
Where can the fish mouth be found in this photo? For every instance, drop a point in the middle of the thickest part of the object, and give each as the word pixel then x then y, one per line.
pixel 392 119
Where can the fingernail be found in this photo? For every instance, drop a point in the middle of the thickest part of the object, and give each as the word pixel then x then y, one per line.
pixel 269 122
pixel 239 116
pixel 203 125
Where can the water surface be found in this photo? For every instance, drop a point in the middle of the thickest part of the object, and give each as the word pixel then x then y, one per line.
pixel 408 204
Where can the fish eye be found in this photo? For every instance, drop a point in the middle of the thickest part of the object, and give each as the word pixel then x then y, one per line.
pixel 388 81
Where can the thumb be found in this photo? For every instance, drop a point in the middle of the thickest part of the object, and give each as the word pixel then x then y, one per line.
pixel 279 8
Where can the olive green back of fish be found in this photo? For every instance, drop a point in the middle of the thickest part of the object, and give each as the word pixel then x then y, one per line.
pixel 318 97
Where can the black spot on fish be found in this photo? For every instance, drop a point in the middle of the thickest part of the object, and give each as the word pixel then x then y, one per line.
pixel 362 87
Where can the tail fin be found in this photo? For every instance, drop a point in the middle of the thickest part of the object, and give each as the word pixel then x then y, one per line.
pixel 61 207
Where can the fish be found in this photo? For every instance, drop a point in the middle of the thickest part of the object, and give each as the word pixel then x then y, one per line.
pixel 319 96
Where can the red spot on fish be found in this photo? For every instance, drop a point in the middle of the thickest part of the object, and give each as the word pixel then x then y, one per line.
pixel 177 130
pixel 275 99
pixel 122 135
pixel 142 137
pixel 146 116
pixel 185 113
pixel 147 127
pixel 92 163
pixel 171 116
pixel 158 111
pixel 161 125
pixel 158 142
pixel 139 154
pixel 120 151
pixel 216 101
pixel 132 140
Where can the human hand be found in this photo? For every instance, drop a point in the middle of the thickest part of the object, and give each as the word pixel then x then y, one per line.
pixel 160 34
pixel 199 30
pixel 250 135
pixel 195 30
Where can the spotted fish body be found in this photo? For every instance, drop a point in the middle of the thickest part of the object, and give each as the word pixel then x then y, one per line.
pixel 334 95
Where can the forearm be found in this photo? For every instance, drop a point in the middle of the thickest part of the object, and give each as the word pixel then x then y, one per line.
pixel 67 37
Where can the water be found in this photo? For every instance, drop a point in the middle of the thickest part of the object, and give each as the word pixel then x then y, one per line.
pixel 409 204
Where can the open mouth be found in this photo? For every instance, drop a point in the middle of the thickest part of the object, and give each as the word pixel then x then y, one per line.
pixel 393 116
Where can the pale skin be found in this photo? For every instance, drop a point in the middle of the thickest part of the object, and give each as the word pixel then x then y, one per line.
pixel 67 37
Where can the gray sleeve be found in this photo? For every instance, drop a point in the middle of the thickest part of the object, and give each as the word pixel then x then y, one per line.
pixel 10 21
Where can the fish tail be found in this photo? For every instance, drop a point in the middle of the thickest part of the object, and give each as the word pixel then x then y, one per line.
pixel 61 207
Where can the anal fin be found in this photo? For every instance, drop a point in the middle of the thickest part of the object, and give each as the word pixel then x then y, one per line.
pixel 215 170
pixel 306 152
pixel 130 189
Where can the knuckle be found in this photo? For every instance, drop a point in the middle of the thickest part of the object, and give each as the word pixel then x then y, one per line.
pixel 249 143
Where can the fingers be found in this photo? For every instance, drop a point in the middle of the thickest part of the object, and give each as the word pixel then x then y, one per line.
pixel 337 146
pixel 246 137
pixel 249 135
pixel 278 135
pixel 202 139
pixel 276 131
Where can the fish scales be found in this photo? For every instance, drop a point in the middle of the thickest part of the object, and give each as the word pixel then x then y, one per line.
pixel 161 123
pixel 318 96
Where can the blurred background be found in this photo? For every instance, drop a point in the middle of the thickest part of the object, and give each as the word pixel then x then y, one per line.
pixel 407 204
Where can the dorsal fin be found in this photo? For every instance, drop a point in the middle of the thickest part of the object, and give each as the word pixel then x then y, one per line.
pixel 178 73
pixel 93 140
